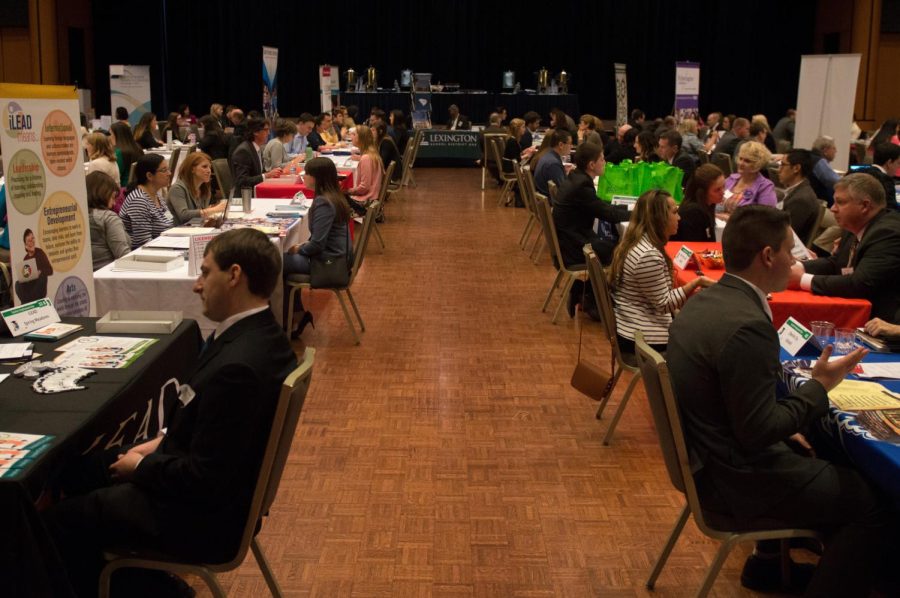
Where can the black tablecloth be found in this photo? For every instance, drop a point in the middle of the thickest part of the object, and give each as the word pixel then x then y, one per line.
pixel 117 407
pixel 476 106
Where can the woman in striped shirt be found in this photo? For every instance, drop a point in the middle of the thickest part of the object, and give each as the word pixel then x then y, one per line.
pixel 144 212
pixel 641 274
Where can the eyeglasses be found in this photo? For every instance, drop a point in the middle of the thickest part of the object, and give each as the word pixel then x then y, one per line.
pixel 163 170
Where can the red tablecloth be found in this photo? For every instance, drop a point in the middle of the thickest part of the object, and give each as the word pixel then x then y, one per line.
pixel 802 305
pixel 281 189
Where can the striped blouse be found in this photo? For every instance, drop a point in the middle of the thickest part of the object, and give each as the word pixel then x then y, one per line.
pixel 644 297
pixel 142 218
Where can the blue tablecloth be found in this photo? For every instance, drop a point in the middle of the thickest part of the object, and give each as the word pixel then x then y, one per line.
pixel 879 460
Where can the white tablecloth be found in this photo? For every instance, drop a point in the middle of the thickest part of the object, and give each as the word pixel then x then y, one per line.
pixel 173 290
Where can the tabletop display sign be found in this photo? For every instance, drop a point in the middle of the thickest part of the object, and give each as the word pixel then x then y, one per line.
pixel 29 317
pixel 46 196
pixel 196 251
pixel 793 335
pixel 687 90
pixel 683 257
pixel 462 145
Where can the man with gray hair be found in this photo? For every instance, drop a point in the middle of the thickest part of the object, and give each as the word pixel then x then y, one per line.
pixel 867 261
pixel 823 176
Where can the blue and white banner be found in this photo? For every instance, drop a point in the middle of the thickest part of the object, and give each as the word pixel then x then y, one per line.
pixel 129 87
pixel 270 82
pixel 687 90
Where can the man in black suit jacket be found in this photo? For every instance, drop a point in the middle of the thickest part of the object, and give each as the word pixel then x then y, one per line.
pixel 740 130
pixel 723 356
pixel 246 161
pixel 885 163
pixel 457 121
pixel 867 262
pixel 800 200
pixel 672 152
pixel 187 493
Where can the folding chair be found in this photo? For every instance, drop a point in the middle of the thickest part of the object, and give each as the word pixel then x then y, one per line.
pixel 569 275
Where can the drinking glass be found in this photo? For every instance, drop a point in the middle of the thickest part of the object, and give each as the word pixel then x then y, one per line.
pixel 844 340
pixel 823 331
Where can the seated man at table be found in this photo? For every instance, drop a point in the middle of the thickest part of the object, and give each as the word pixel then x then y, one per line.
pixel 885 162
pixel 187 493
pixel 671 151
pixel 526 143
pixel 247 162
pixel 550 165
pixel 800 200
pixel 745 443
pixel 299 143
pixel 319 137
pixel 728 143
pixel 457 121
pixel 867 261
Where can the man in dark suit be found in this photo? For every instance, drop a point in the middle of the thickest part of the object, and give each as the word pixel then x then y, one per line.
pixel 867 262
pixel 671 151
pixel 457 121
pixel 246 161
pixel 740 130
pixel 532 122
pixel 745 446
pixel 800 200
pixel 885 163
pixel 187 493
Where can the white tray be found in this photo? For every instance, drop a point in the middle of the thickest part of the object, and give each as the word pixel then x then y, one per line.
pixel 153 322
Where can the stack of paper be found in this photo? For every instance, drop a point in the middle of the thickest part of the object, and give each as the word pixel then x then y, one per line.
pixel 857 395
pixel 18 451
pixel 15 351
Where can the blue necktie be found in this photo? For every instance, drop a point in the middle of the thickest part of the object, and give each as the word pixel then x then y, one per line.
pixel 209 341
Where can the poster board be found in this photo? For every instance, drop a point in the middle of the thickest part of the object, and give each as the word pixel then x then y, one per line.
pixel 687 90
pixel 329 85
pixel 270 84
pixel 129 87
pixel 50 243
pixel 621 94
pixel 825 99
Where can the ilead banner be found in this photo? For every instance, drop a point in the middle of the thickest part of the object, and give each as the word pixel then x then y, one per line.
pixel 687 90
pixel 50 242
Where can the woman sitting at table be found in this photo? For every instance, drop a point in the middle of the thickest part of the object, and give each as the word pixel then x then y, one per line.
pixel 189 197
pixel 213 143
pixel 143 132
pixel 102 156
pixel 387 150
pixel 109 241
pixel 329 218
pixel 645 146
pixel 171 124
pixel 400 132
pixel 127 150
pixel 144 212
pixel 748 186
pixel 368 172
pixel 698 209
pixel 274 154
pixel 589 127
pixel 641 274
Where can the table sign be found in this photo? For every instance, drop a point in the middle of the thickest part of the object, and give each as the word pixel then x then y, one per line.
pixel 793 335
pixel 628 201
pixel 31 316
pixel 683 258
pixel 196 251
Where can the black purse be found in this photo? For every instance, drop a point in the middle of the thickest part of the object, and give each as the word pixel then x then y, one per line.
pixel 330 272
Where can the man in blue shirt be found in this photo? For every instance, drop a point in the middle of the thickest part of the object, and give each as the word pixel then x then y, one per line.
pixel 550 166
pixel 299 143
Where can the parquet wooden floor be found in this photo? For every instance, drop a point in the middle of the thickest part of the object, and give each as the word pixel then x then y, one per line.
pixel 447 455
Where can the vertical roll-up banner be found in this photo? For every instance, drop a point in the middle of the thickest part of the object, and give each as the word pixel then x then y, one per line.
pixel 621 95
pixel 687 90
pixel 129 87
pixel 329 84
pixel 49 230
pixel 270 84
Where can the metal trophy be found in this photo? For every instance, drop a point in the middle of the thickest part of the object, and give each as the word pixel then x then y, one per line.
pixel 543 80
pixel 563 80
pixel 350 74
pixel 371 79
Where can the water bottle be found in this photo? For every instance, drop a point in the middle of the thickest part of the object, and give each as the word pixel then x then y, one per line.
pixel 309 153
pixel 396 85
pixel 293 170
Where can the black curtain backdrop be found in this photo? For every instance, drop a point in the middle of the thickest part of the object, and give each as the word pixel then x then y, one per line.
pixel 204 52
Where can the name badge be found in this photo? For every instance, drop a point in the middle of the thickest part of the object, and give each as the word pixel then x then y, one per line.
pixel 847 271
pixel 186 394
pixel 793 335
pixel 683 257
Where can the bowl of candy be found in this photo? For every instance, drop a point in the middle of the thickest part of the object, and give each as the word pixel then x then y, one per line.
pixel 710 259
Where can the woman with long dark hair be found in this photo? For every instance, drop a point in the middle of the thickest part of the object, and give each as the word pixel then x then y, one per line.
pixel 329 233
pixel 143 131
pixel 109 241
pixel 144 212
pixel 641 274
pixel 213 142
pixel 128 150
pixel 698 209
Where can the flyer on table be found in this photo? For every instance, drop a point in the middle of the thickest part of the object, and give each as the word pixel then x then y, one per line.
pixel 46 196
